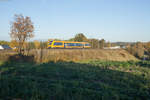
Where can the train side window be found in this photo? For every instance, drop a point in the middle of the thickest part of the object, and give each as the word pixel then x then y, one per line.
pixel 87 44
pixel 67 44
pixel 58 43
pixel 79 44
pixel 71 44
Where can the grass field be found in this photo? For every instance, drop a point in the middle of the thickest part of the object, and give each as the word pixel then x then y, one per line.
pixel 91 80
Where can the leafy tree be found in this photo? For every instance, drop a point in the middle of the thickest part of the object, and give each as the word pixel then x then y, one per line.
pixel 26 45
pixel 136 49
pixel 14 44
pixel 37 44
pixel 140 50
pixel 72 39
pixel 147 49
pixel 4 43
pixel 94 43
pixel 80 37
pixel 101 43
pixel 108 44
pixel 21 30
pixel 43 44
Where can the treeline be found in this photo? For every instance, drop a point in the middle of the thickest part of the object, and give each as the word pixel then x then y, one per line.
pixel 27 45
pixel 4 43
pixel 139 49
pixel 95 43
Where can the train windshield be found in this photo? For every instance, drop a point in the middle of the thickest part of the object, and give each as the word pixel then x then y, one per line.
pixel 79 44
pixel 50 42
pixel 73 44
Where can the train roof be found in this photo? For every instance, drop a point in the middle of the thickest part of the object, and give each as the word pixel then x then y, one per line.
pixel 68 41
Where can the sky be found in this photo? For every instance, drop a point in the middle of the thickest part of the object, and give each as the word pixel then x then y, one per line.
pixel 113 20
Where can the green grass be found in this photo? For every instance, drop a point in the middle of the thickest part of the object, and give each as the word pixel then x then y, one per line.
pixel 93 80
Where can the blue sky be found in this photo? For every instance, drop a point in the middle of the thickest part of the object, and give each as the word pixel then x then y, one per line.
pixel 113 20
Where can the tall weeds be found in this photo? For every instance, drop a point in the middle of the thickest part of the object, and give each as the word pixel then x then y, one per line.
pixel 55 55
pixel 47 55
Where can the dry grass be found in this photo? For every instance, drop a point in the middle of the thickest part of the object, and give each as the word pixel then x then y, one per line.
pixel 47 55
pixel 55 55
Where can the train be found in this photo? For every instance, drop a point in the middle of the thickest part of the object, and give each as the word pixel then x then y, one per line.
pixel 67 44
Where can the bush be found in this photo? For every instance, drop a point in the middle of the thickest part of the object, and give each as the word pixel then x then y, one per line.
pixel 21 58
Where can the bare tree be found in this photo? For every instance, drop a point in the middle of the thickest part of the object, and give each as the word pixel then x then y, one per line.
pixel 21 30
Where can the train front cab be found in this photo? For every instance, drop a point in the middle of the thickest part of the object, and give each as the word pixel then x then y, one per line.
pixel 49 44
pixel 56 44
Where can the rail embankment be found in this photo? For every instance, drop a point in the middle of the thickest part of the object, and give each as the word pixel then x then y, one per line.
pixel 47 55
